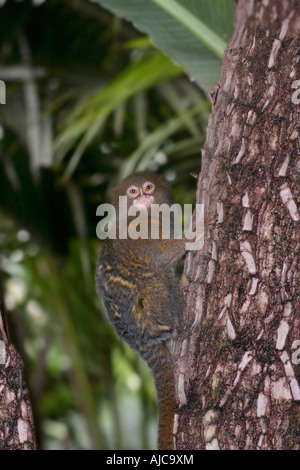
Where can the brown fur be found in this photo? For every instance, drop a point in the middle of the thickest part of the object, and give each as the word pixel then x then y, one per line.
pixel 143 299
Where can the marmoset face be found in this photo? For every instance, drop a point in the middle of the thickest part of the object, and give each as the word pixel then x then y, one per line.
pixel 142 196
pixel 143 189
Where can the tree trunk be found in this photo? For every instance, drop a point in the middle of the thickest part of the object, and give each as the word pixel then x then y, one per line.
pixel 238 379
pixel 16 423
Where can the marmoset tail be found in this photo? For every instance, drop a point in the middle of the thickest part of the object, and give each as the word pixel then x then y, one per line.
pixel 141 293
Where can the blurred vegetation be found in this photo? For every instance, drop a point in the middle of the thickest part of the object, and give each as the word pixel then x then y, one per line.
pixel 89 99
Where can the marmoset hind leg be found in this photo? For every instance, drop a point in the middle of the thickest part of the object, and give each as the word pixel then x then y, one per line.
pixel 157 309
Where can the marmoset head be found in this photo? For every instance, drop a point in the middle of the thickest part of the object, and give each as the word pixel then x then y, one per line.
pixel 143 189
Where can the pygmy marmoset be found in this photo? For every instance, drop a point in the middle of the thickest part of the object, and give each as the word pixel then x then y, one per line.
pixel 141 292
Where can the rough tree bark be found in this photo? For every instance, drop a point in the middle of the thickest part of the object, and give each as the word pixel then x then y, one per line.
pixel 16 422
pixel 238 374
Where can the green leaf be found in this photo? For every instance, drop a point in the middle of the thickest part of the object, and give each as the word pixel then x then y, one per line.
pixel 194 25
pixel 193 32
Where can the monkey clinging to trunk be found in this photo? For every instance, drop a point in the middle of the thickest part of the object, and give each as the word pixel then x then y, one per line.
pixel 141 293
